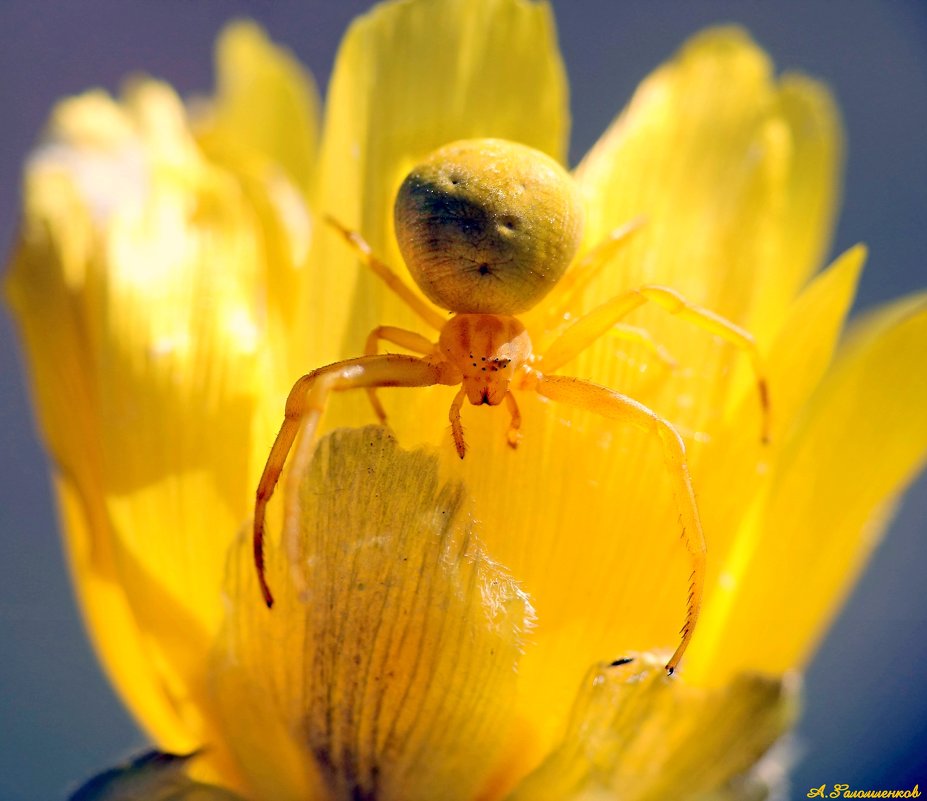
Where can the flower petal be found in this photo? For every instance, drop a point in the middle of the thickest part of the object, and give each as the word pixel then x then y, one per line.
pixel 804 348
pixel 138 285
pixel 735 468
pixel 736 178
pixel 861 439
pixel 637 735
pixel 267 104
pixel 120 644
pixel 386 668
pixel 410 77
pixel 742 171
pixel 53 287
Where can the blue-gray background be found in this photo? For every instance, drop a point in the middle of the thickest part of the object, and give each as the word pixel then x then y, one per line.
pixel 865 720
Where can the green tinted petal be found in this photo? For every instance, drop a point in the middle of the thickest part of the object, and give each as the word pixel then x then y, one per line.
pixel 153 776
pixel 637 735
pixel 387 666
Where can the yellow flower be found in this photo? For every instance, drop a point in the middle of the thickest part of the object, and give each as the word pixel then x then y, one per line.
pixel 445 629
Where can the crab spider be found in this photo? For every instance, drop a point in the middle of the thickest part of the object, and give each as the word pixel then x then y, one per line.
pixel 487 228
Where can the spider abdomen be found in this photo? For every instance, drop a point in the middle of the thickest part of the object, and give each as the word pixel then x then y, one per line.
pixel 487 226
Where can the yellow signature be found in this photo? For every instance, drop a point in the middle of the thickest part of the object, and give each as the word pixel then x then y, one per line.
pixel 844 791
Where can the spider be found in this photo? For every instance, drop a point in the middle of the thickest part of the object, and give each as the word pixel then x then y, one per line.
pixel 487 227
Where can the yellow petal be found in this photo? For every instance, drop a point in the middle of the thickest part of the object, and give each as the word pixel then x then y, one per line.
pixel 735 177
pixel 52 287
pixel 862 438
pixel 387 666
pixel 808 337
pixel 637 735
pixel 410 77
pixel 138 286
pixel 263 127
pixel 740 169
pixel 267 104
pixel 735 468
pixel 111 625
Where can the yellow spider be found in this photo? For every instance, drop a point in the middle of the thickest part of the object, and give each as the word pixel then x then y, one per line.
pixel 487 228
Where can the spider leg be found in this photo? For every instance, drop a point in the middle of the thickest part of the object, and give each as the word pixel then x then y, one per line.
pixel 613 405
pixel 513 435
pixel 633 333
pixel 384 272
pixel 409 340
pixel 583 272
pixel 590 327
pixel 456 427
pixel 305 405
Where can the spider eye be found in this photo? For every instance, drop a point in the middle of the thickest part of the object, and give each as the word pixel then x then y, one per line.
pixel 488 226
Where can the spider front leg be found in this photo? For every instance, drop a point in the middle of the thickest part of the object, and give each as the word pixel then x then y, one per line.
pixel 305 405
pixel 615 406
